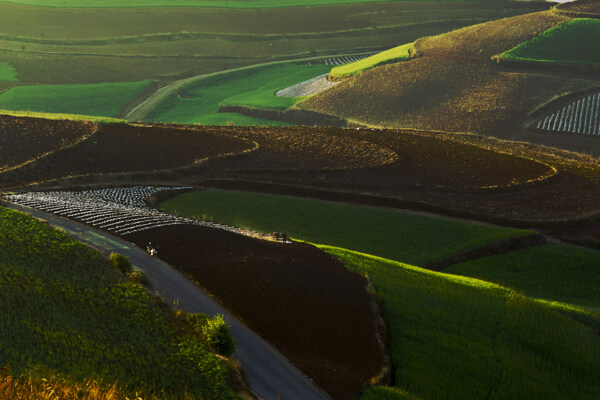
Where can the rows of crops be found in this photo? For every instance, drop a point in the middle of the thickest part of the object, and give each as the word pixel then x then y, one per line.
pixel 119 210
pixel 581 116
pixel 340 60
pixel 66 311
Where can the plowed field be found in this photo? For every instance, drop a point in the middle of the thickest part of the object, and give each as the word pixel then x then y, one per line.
pixel 301 300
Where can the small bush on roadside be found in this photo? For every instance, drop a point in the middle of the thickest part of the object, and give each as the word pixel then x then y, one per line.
pixel 121 262
pixel 140 276
pixel 213 331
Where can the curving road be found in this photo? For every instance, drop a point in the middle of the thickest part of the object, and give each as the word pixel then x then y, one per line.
pixel 270 374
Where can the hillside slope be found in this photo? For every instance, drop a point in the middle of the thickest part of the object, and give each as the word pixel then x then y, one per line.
pixel 454 86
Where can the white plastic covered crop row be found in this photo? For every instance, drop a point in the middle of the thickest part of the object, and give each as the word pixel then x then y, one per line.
pixel 580 116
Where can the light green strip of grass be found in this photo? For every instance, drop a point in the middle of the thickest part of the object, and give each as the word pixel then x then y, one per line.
pixel 71 117
pixel 101 99
pixel 411 238
pixel 572 42
pixel 7 73
pixel 65 310
pixel 454 337
pixel 397 54
pixel 190 3
pixel 253 87
pixel 557 273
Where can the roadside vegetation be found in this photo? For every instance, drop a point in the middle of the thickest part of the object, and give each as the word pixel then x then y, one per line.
pixel 555 273
pixel 570 43
pixel 199 102
pixel 71 320
pixel 397 54
pixel 410 238
pixel 7 73
pixel 103 99
pixel 455 338
pixel 69 117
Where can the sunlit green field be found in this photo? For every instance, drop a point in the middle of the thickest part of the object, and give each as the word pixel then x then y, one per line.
pixel 7 73
pixel 104 99
pixel 558 273
pixel 65 311
pixel 396 54
pixel 410 238
pixel 461 338
pixel 572 42
pixel 199 102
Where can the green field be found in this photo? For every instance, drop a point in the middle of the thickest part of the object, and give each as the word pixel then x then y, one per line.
pixel 7 73
pixel 104 99
pixel 400 53
pixel 71 117
pixel 409 238
pixel 65 311
pixel 572 42
pixel 254 87
pixel 460 338
pixel 556 273
pixel 190 3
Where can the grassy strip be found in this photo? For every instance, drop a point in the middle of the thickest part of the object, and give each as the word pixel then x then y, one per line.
pixel 565 43
pixel 456 338
pixel 7 73
pixel 199 102
pixel 189 3
pixel 70 117
pixel 400 53
pixel 410 238
pixel 65 311
pixel 558 273
pixel 101 99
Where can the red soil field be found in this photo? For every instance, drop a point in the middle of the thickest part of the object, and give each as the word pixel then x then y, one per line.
pixel 301 300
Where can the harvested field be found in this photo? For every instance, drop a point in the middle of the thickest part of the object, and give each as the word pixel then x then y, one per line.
pixel 24 139
pixel 307 88
pixel 300 299
pixel 582 8
pixel 453 86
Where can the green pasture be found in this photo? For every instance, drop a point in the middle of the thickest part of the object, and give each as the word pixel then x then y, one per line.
pixel 453 337
pixel 7 73
pixel 190 3
pixel 104 99
pixel 253 87
pixel 64 310
pixel 572 42
pixel 397 54
pixel 71 117
pixel 555 273
pixel 409 238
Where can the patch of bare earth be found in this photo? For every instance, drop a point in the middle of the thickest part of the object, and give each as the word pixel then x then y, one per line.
pixel 300 299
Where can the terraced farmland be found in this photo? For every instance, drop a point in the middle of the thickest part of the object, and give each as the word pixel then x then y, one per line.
pixel 69 315
pixel 7 73
pixel 122 211
pixel 580 116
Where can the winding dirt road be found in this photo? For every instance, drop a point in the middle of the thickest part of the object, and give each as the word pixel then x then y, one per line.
pixel 270 374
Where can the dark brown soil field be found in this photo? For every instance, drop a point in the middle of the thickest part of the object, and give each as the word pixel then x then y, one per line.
pixel 301 300
pixel 120 148
pixel 24 139
pixel 455 86
pixel 588 8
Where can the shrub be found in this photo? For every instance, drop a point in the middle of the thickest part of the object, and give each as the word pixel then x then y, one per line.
pixel 140 276
pixel 217 334
pixel 121 262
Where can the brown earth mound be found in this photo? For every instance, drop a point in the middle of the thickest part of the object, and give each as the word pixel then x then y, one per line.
pixel 23 139
pixel 455 86
pixel 304 302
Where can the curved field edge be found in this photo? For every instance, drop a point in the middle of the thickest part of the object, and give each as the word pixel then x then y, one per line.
pixel 561 44
pixel 455 337
pixel 7 73
pixel 406 237
pixel 67 312
pixel 189 3
pixel 101 99
pixel 396 54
